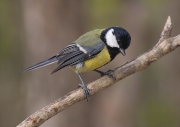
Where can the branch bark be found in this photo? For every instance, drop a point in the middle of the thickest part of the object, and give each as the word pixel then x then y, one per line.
pixel 163 47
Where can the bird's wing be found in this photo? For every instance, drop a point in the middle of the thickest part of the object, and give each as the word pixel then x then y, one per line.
pixel 76 55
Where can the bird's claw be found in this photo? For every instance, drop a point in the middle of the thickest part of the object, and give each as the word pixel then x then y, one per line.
pixel 108 73
pixel 86 90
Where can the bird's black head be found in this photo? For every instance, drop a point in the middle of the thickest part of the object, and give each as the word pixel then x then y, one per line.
pixel 116 39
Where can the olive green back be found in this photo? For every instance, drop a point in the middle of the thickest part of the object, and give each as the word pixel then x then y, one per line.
pixel 90 39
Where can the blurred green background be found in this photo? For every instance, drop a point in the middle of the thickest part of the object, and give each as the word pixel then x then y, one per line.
pixel 34 30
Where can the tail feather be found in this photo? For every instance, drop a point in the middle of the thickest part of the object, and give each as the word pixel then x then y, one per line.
pixel 41 64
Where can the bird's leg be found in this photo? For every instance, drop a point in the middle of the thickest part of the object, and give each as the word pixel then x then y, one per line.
pixel 108 73
pixel 84 87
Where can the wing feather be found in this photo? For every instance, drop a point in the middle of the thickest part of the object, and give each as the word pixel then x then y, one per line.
pixel 68 56
pixel 75 60
pixel 97 49
pixel 69 49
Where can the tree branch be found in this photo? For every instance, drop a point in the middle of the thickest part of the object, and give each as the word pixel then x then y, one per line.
pixel 164 46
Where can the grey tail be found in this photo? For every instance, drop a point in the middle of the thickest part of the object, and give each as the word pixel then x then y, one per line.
pixel 41 64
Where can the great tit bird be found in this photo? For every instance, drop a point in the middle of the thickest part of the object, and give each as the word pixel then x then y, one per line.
pixel 89 52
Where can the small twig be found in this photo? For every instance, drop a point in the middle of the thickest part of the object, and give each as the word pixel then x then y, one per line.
pixel 164 46
pixel 166 33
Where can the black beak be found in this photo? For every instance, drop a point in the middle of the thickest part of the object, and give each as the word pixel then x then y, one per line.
pixel 122 51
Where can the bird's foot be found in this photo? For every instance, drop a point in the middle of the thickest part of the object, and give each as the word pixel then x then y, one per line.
pixel 86 90
pixel 108 73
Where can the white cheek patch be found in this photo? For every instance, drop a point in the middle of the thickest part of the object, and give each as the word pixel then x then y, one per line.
pixel 81 48
pixel 111 39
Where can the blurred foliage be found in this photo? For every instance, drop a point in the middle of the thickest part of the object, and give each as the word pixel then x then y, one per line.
pixel 157 113
pixel 10 57
pixel 97 14
pixel 8 28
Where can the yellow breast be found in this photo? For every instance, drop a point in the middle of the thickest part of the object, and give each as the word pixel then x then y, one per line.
pixel 96 62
